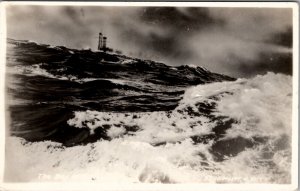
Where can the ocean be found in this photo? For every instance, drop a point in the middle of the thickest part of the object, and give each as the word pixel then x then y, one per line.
pixel 93 116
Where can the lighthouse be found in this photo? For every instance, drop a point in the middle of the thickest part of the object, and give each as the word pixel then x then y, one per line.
pixel 102 43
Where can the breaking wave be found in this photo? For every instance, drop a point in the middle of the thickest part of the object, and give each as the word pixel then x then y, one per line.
pixel 239 129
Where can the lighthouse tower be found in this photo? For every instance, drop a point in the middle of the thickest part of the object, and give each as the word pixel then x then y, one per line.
pixel 100 42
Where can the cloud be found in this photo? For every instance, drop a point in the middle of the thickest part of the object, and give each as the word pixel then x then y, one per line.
pixel 227 40
pixel 248 34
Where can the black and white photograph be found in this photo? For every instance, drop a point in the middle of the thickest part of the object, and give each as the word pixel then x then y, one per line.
pixel 172 93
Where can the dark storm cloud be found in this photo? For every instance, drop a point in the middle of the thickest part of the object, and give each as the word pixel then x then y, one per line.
pixel 225 40
pixel 284 38
pixel 236 47
pixel 179 19
pixel 177 24
pixel 73 14
pixel 269 62
pixel 163 45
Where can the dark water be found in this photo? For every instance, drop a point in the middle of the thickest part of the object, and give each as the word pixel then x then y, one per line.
pixel 130 109
pixel 47 84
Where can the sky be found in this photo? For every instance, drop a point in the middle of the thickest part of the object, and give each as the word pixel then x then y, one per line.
pixel 240 42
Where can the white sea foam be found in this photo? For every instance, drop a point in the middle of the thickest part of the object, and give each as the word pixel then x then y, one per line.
pixel 192 66
pixel 36 70
pixel 128 61
pixel 195 66
pixel 155 127
pixel 261 106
